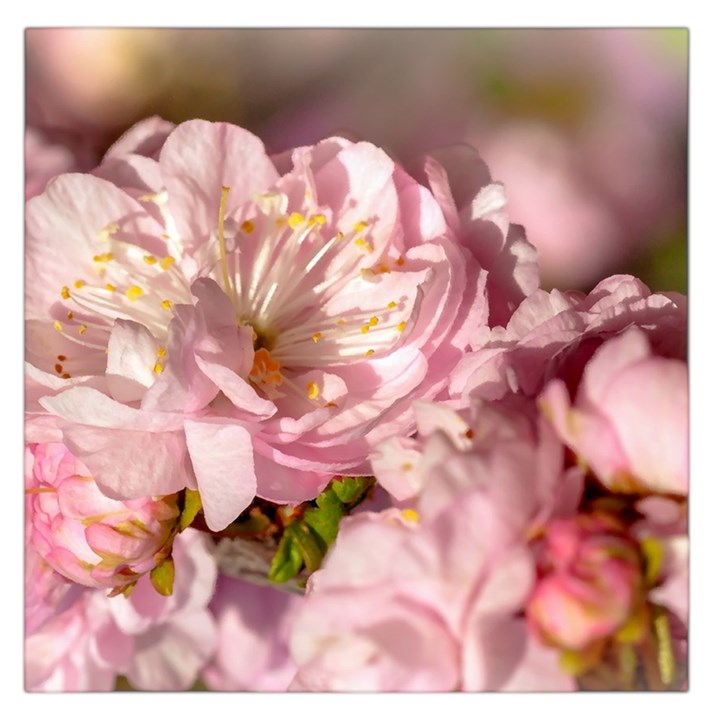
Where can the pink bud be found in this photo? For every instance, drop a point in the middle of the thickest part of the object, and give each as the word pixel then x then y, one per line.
pixel 591 582
pixel 86 536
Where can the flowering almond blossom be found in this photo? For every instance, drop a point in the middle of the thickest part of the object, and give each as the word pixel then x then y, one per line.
pixel 85 536
pixel 624 386
pixel 207 320
pixel 156 642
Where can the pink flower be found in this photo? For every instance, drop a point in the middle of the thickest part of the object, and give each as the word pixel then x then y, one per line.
pixel 592 582
pixel 253 625
pixel 430 600
pixel 629 420
pixel 158 643
pixel 554 334
pixel 212 323
pixel 87 537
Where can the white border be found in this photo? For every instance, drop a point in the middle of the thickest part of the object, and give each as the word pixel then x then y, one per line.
pixel 705 360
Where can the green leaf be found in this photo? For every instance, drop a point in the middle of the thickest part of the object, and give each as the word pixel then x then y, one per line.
pixel 307 543
pixel 191 508
pixel 325 518
pixel 162 577
pixel 287 561
pixel 351 489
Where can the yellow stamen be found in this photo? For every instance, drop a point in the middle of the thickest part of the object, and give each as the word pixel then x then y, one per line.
pixel 161 352
pixel 313 390
pixel 167 304
pixel 360 242
pixel 103 257
pixel 374 321
pixel 318 220
pixel 166 262
pixel 365 329
pixel 295 220
pixel 150 259
pixel 134 293
pixel 406 466
pixel 110 287
pixel 281 221
pixel 57 326
pixel 158 368
pixel 340 235
pixel 316 337
pixel 65 293
pixel 247 227
pixel 340 322
pixel 369 353
pixel 392 304
pixel 401 326
pixel 360 226
pixel 79 283
pixel 82 329
pixel 411 515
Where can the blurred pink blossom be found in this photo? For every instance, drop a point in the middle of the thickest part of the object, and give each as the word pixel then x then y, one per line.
pixel 591 583
pixel 253 624
pixel 158 643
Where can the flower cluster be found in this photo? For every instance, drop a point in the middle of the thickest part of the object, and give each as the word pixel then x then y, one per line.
pixel 347 381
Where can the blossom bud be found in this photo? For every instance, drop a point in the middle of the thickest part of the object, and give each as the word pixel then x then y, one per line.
pixel 591 583
pixel 86 536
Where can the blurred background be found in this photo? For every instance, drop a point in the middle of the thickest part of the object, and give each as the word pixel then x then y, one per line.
pixel 586 128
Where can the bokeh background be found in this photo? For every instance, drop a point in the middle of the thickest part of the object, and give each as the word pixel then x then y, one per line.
pixel 586 128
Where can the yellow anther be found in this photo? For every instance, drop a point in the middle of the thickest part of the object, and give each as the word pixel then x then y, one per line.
pixel 247 227
pixel 400 261
pixel 79 283
pixel 133 292
pixel 148 197
pixel 150 259
pixel 401 326
pixel 313 390
pixel 410 515
pixel 166 262
pixel 70 315
pixel 110 287
pixel 165 236
pixel 340 235
pixel 392 304
pixel 167 304
pixel 406 466
pixel 340 322
pixel 374 321
pixel 295 220
pixel 108 230
pixel 57 326
pixel 65 292
pixel 360 226
pixel 103 257
pixel 82 329
pixel 158 368
pixel 161 352
pixel 360 242
pixel 319 219
pixel 281 221
pixel 316 337
pixel 365 329
pixel 369 353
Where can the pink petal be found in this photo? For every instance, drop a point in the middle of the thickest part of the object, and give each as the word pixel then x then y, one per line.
pixel 222 458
